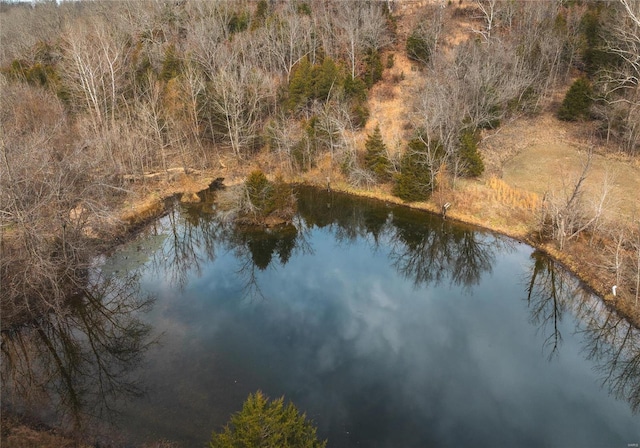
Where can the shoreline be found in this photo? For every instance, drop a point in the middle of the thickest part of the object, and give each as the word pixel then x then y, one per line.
pixel 136 222
pixel 138 215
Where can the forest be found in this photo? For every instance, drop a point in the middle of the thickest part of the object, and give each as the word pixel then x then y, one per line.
pixel 103 101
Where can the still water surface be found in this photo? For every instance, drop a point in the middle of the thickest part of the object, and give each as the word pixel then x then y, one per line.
pixel 388 327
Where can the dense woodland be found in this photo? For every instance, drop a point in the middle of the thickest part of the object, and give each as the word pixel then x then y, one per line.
pixel 96 95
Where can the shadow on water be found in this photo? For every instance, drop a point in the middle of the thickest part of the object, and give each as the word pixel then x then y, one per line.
pixel 69 369
pixel 608 339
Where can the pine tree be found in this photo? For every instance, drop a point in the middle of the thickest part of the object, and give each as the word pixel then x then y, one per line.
pixel 326 78
pixel 577 102
pixel 171 65
pixel 375 157
pixel 259 192
pixel 373 67
pixel 413 183
pixel 300 84
pixel 473 164
pixel 267 424
pixel 418 49
pixel 266 198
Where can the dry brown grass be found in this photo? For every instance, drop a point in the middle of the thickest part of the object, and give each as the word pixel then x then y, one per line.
pixel 513 197
pixel 543 155
pixel 15 434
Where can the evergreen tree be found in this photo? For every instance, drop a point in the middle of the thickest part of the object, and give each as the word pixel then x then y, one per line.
pixel 326 78
pixel 269 198
pixel 313 82
pixel 375 157
pixel 260 15
pixel 413 183
pixel 267 424
pixel 171 65
pixel 577 102
pixel 238 22
pixel 594 56
pixel 418 48
pixel 259 192
pixel 473 164
pixel 373 67
pixel 300 84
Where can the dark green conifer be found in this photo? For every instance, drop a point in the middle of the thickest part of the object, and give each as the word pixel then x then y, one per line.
pixel 326 78
pixel 373 67
pixel 577 102
pixel 171 65
pixel 418 48
pixel 299 84
pixel 413 183
pixel 267 424
pixel 472 161
pixel 375 157
pixel 259 192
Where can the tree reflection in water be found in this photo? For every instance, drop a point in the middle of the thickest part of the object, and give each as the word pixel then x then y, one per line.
pixel 432 250
pixel 70 368
pixel 614 344
pixel 427 250
pixel 609 339
pixel 422 246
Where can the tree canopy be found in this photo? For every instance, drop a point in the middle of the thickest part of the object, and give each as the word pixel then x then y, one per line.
pixel 265 423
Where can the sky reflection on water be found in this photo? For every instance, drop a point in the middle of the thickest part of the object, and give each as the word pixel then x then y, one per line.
pixel 380 343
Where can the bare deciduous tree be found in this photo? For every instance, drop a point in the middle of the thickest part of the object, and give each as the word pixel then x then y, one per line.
pixel 488 13
pixel 51 193
pixel 360 26
pixel 284 134
pixel 94 69
pixel 240 97
pixel 620 83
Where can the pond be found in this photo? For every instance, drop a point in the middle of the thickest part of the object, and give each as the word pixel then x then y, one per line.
pixel 388 327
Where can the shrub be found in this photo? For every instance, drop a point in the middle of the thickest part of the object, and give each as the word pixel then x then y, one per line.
pixel 390 60
pixel 577 102
pixel 267 424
